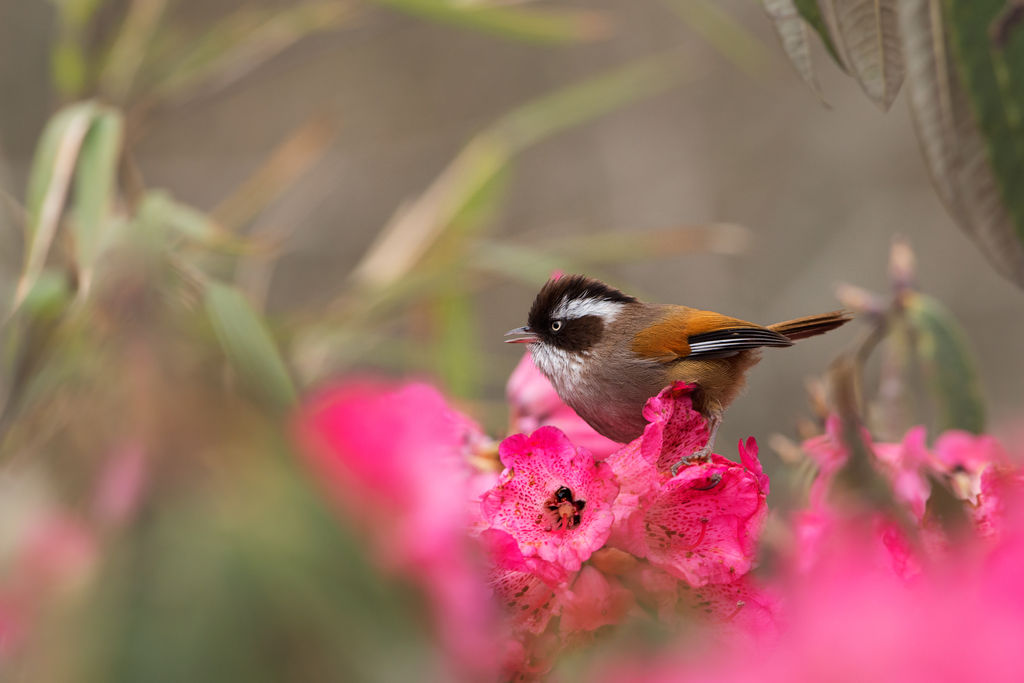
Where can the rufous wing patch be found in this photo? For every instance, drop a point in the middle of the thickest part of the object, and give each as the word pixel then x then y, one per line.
pixel 669 338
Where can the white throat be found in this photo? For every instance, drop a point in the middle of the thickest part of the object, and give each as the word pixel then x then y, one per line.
pixel 563 368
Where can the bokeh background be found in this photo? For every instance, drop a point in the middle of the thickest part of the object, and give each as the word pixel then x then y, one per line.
pixel 386 98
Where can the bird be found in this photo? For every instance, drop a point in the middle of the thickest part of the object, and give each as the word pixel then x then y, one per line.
pixel 606 353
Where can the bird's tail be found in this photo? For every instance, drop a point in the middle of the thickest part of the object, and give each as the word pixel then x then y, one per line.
pixel 811 325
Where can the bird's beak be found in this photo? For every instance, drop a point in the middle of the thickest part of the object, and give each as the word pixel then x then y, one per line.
pixel 528 339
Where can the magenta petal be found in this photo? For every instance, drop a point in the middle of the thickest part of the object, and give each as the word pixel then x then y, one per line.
pixel 525 502
pixel 526 587
pixel 749 459
pixel 703 525
pixel 594 601
pixel 676 430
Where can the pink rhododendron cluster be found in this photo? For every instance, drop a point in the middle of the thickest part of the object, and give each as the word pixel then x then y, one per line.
pixel 542 543
pixel 854 619
pixel 564 540
pixel 974 468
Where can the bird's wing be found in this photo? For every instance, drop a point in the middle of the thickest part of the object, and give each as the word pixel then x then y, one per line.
pixel 692 333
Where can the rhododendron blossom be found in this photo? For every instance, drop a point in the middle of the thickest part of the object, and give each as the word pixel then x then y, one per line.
pixel 553 498
pixel 674 531
pixel 702 526
pixel 396 461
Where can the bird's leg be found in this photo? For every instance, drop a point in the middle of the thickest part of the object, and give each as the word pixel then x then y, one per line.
pixel 714 420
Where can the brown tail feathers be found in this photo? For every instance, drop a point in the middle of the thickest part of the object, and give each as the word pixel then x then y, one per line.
pixel 811 325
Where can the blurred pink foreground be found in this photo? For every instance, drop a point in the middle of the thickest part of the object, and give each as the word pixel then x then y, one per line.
pixel 566 535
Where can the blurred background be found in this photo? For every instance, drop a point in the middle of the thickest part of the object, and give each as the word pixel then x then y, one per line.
pixel 272 194
pixel 731 137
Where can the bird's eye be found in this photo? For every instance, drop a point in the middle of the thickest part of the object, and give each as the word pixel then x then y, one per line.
pixel 556 325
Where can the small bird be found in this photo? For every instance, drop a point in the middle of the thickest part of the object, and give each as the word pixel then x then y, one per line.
pixel 606 352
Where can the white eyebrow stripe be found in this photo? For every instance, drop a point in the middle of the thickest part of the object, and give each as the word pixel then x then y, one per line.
pixel 578 308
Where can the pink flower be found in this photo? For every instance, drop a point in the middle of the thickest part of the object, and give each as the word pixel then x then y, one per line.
pixel 121 484
pixel 394 459
pixel 703 524
pixel 535 403
pixel 902 463
pixel 553 498
pixel 700 525
pixel 55 555
pixel 642 467
pixel 964 456
pixel 742 606
pixel 525 586
pixel 849 620
pixel 594 601
pixel 676 431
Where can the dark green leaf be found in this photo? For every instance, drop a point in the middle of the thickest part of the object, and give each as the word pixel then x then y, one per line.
pixel 811 13
pixel 989 52
pixel 947 365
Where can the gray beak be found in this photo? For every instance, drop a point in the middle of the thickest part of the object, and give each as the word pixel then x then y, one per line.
pixel 528 339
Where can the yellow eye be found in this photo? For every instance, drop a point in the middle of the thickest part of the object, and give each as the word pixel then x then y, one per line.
pixel 556 325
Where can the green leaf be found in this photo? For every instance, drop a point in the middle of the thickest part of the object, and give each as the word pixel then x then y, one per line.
pixel 68 67
pixel 95 189
pixel 49 179
pixel 531 24
pixel 160 218
pixel 947 365
pixel 951 141
pixel 48 297
pixel 248 344
pixel 811 13
pixel 792 31
pixel 457 356
pixel 729 37
pixel 988 44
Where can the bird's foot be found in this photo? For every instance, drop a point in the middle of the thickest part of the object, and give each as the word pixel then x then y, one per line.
pixel 704 454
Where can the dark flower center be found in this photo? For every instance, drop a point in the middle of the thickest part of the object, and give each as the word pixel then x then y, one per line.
pixel 566 510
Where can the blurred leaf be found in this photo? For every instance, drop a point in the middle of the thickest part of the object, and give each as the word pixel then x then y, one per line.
pixel 525 264
pixel 239 43
pixel 725 34
pixel 95 189
pixel 947 365
pixel 49 295
pixel 134 36
pixel 951 142
pixel 792 30
pixel 456 351
pixel 456 354
pixel 285 165
pixel 69 62
pixel 248 344
pixel 811 13
pixel 531 24
pixel 52 167
pixel 988 43
pixel 869 33
pixel 159 212
pixel 68 67
pixel 417 226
